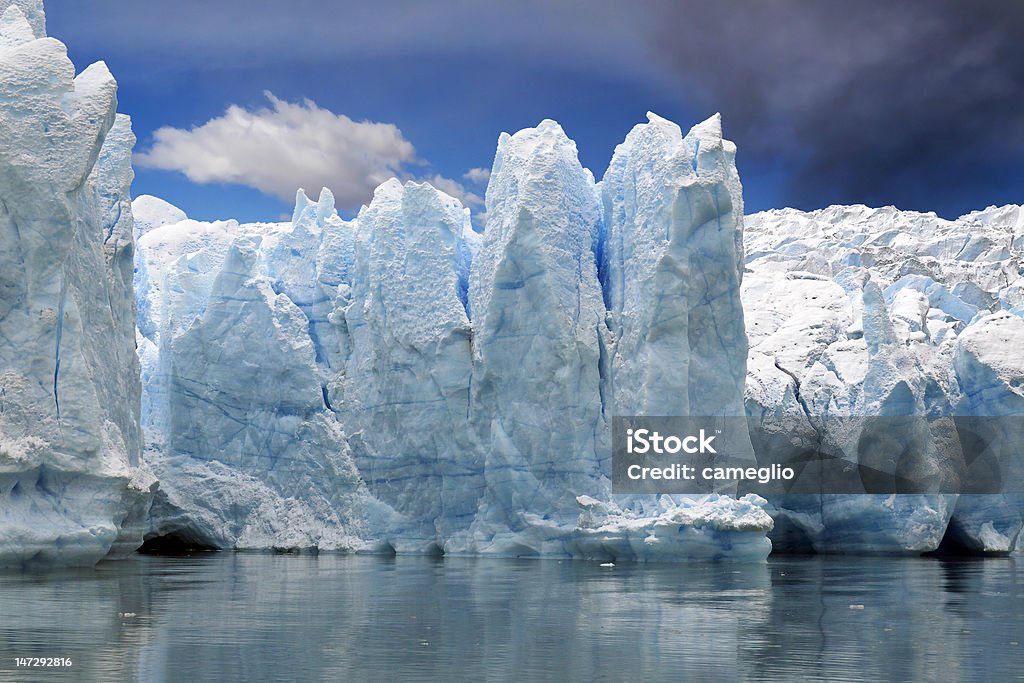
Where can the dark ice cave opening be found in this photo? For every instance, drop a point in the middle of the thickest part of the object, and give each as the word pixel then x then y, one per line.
pixel 173 544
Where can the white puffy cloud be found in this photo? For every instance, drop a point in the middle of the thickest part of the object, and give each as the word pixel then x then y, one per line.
pixel 457 190
pixel 477 175
pixel 279 148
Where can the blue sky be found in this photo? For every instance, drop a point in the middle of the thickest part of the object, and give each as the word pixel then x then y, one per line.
pixel 916 104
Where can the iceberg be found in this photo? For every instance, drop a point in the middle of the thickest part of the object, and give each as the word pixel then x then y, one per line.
pixel 73 488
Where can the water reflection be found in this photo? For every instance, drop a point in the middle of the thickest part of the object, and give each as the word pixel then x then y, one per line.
pixel 262 617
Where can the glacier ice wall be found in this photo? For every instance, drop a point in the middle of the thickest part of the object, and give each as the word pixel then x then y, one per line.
pixel 672 266
pixel 250 454
pixel 401 384
pixel 72 485
pixel 988 364
pixel 539 335
pixel 400 381
pixel 435 389
pixel 855 312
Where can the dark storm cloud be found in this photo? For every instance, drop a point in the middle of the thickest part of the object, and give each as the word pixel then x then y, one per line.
pixel 247 33
pixel 915 103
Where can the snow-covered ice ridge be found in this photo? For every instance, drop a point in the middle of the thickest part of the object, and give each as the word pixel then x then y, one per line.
pixel 853 311
pixel 402 382
pixel 73 489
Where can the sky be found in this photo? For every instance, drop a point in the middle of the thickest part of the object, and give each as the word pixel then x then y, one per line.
pixel 236 103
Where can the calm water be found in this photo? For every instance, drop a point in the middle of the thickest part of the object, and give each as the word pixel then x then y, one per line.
pixel 242 617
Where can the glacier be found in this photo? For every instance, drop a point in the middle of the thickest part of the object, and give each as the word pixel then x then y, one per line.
pixel 456 362
pixel 233 394
pixel 73 487
pixel 401 382
pixel 856 312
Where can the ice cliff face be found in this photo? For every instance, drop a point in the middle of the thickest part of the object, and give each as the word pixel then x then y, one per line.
pixel 400 384
pixel 990 370
pixel 252 457
pixel 72 487
pixel 865 312
pixel 671 266
pixel 539 336
pixel 401 381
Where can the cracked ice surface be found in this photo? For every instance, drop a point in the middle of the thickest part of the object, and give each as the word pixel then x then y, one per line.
pixel 853 311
